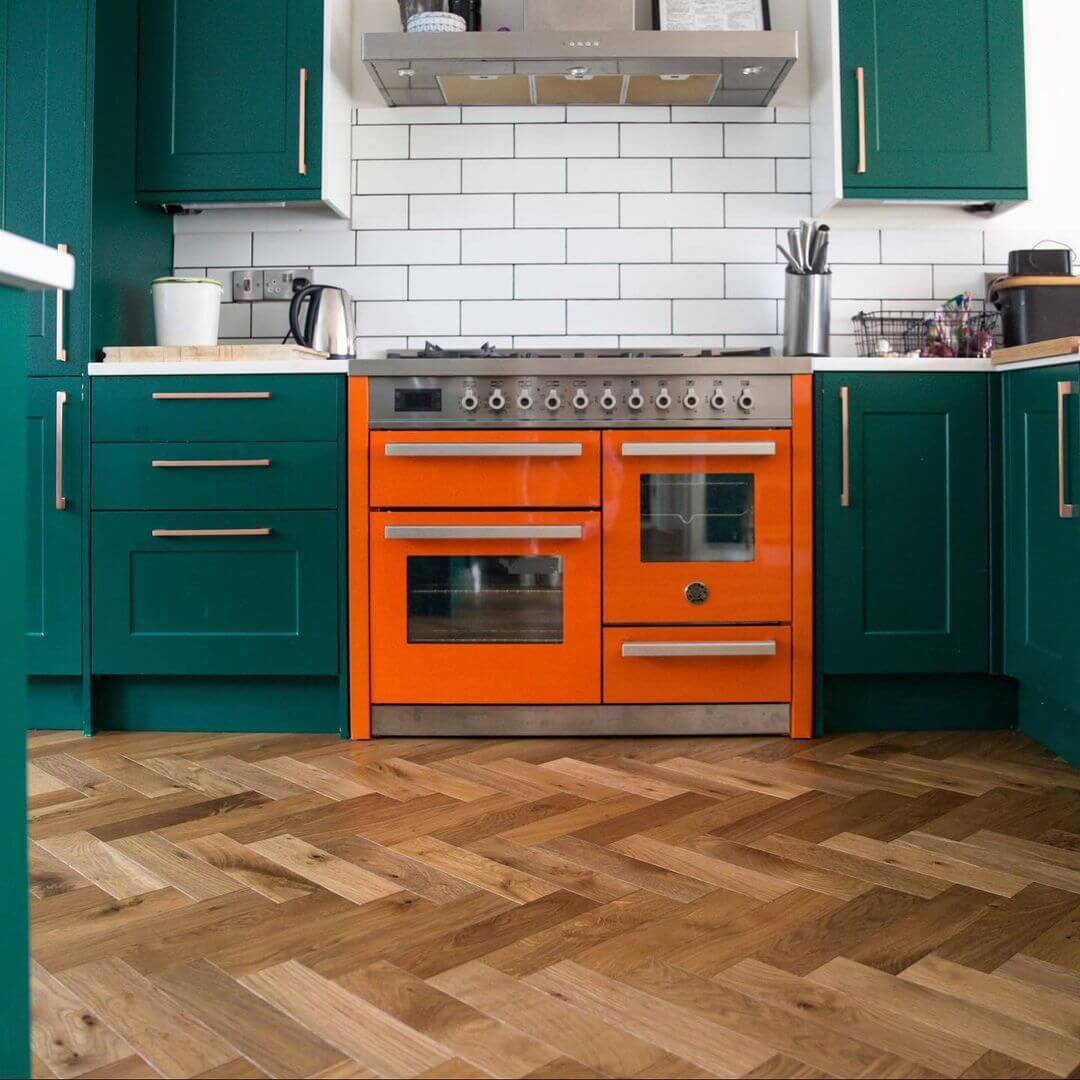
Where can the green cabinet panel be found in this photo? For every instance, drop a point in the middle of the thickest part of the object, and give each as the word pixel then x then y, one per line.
pixel 207 409
pixel 1042 547
pixel 54 551
pixel 904 568
pixel 219 96
pixel 215 476
pixel 260 602
pixel 944 94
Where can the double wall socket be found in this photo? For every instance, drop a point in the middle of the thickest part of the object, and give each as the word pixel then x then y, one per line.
pixel 267 284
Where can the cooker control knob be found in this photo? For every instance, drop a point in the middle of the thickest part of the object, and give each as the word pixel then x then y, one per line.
pixel 581 400
pixel 469 401
pixel 690 399
pixel 497 401
pixel 746 401
pixel 524 400
pixel 608 401
pixel 719 399
pixel 663 399
pixel 635 400
pixel 553 401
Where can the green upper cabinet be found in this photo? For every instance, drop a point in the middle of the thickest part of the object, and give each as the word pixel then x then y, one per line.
pixel 1042 530
pixel 904 551
pixel 238 102
pixel 927 100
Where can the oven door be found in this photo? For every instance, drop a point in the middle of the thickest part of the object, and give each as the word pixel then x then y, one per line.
pixel 485 608
pixel 697 526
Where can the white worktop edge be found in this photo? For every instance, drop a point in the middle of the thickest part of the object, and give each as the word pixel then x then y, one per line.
pixel 931 367
pixel 223 367
pixel 34 267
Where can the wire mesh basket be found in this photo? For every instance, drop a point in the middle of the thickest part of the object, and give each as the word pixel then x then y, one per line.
pixel 943 332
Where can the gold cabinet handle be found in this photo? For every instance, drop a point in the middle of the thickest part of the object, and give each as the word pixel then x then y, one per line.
pixel 61 401
pixel 222 463
pixel 61 352
pixel 162 533
pixel 860 85
pixel 698 648
pixel 220 395
pixel 1065 510
pixel 301 165
pixel 845 448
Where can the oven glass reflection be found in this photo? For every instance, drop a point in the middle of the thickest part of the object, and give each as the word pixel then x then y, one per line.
pixel 697 517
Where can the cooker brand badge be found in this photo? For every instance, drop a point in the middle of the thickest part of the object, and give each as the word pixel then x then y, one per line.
pixel 697 592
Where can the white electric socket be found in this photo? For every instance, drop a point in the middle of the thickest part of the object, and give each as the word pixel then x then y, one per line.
pixel 278 284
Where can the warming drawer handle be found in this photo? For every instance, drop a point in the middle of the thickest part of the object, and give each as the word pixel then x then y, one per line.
pixel 1064 389
pixel 483 532
pixel 223 463
pixel 217 395
pixel 699 648
pixel 484 450
pixel 166 533
pixel 699 449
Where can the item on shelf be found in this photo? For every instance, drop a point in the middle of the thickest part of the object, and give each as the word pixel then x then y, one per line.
pixel 187 310
pixel 807 290
pixel 436 22
pixel 1038 262
pixel 713 15
pixel 328 325
pixel 953 330
pixel 1037 307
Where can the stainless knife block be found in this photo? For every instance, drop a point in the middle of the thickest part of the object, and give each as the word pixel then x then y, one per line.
pixel 807 302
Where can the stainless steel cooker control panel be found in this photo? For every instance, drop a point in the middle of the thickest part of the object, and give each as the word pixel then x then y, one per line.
pixel 575 401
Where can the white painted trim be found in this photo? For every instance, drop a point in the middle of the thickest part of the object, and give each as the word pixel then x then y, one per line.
pixel 337 105
pixel 34 267
pixel 930 366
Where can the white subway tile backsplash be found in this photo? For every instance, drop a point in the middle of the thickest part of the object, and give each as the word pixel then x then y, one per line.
pixel 852 245
pixel 269 319
pixel 566 341
pixel 461 282
pixel 391 177
pixel 618 316
pixel 211 249
pixel 566 141
pixel 385 317
pixel 566 282
pixel 724 245
pixel 887 282
pixel 932 245
pixel 513 317
pixel 623 174
pixel 693 114
pixel 304 248
pixel 1000 242
pixel 460 211
pixel 792 114
pixel 646 280
pixel 461 141
pixel 768 140
pixel 618 114
pixel 672 140
pixel 792 174
pixel 366 282
pixel 756 281
pixel 409 247
pixel 724 174
pixel 702 211
pixel 380 212
pixel 372 141
pixel 758 210
pixel 408 114
pixel 513 246
pixel 565 211
pixel 725 317
pixel 950 281
pixel 513 114
pixel 235 321
pixel 618 245
pixel 514 174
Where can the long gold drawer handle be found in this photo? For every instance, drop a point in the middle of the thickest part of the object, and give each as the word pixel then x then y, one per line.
pixel 698 648
pixel 845 447
pixel 61 498
pixel 217 395
pixel 223 463
pixel 209 532
pixel 1064 390
pixel 860 90
pixel 301 162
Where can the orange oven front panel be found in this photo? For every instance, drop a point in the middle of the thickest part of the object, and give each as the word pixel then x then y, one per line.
pixel 485 608
pixel 697 526
pixel 485 468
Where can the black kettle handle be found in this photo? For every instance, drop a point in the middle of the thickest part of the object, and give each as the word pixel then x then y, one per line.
pixel 305 293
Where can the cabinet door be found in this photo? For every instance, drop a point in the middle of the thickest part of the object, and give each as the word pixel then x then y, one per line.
pixel 220 101
pixel 944 97
pixel 905 582
pixel 55 509
pixel 46 194
pixel 1042 544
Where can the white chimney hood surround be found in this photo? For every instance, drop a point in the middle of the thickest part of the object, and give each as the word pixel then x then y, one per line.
pixel 581 67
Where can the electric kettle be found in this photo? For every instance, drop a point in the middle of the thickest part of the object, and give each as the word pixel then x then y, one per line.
pixel 327 326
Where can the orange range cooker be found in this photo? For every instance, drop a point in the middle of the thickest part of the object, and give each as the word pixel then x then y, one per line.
pixel 580 543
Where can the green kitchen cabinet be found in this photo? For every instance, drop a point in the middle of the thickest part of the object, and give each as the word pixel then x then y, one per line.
pixel 929 100
pixel 1042 532
pixel 232 100
pixel 56 509
pixel 903 523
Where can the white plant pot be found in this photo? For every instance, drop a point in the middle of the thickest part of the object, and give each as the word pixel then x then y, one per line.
pixel 187 311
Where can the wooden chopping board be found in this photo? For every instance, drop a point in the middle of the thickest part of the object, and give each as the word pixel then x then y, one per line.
pixel 149 354
pixel 1037 350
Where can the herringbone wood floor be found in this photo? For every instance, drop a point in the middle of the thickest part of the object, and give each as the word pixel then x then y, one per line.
pixel 241 906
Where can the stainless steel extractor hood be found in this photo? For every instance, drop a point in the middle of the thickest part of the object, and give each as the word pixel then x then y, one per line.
pixel 581 67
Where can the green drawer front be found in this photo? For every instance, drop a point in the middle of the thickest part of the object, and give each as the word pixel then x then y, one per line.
pixel 215 476
pixel 263 604
pixel 216 408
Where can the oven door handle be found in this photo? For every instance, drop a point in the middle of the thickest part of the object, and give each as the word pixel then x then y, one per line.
pixel 484 450
pixel 483 532
pixel 699 449
pixel 699 648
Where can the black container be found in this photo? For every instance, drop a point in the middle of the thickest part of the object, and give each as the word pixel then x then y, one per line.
pixel 1040 262
pixel 1031 312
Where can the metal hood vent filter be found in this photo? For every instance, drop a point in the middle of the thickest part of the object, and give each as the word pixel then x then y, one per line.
pixel 581 67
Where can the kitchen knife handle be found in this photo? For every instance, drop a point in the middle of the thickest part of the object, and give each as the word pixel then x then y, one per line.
pixel 845 448
pixel 1065 509
pixel 301 165
pixel 860 89
pixel 61 499
pixel 61 352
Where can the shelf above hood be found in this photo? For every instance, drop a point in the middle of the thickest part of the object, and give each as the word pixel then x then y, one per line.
pixel 581 67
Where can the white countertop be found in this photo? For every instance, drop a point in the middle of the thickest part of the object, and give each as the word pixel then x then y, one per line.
pixel 223 367
pixel 34 267
pixel 928 366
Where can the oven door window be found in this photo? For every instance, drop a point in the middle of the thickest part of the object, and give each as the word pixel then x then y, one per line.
pixel 697 517
pixel 485 599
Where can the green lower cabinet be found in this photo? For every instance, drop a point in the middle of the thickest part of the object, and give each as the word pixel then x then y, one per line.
pixel 903 561
pixel 1042 541
pixel 215 593
pixel 56 508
